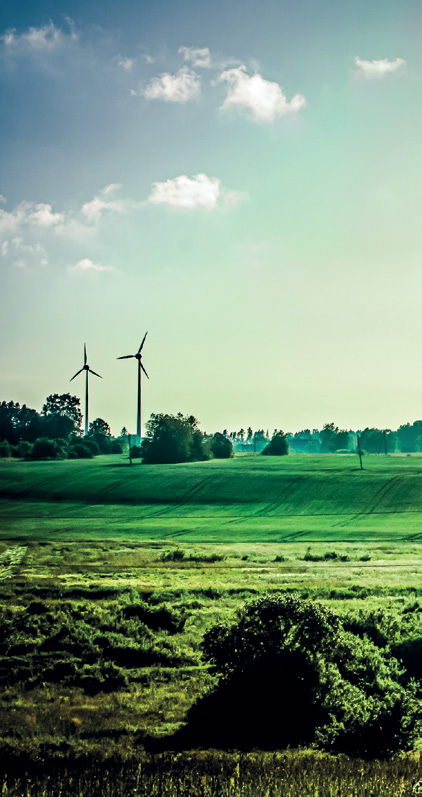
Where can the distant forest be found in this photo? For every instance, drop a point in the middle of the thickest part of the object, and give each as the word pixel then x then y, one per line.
pixel 58 428
pixel 330 439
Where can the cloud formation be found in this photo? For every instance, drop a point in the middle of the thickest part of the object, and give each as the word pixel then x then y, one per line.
pixel 30 230
pixel 43 39
pixel 43 216
pixel 29 214
pixel 198 57
pixel 184 85
pixel 23 255
pixel 265 99
pixel 86 266
pixel 193 193
pixel 378 68
pixel 93 209
pixel 126 64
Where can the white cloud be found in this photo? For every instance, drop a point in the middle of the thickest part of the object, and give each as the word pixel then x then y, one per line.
pixel 264 98
pixel 197 193
pixel 24 255
pixel 28 213
pixel 196 55
pixel 93 209
pixel 126 64
pixel 110 189
pixel 87 266
pixel 180 87
pixel 10 220
pixel 44 217
pixel 378 68
pixel 42 39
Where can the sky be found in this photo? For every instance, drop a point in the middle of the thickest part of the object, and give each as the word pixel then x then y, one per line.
pixel 242 180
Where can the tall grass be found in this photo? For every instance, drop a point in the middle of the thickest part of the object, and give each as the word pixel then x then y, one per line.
pixel 216 774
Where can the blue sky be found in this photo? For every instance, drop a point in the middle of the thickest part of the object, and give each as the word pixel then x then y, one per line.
pixel 242 181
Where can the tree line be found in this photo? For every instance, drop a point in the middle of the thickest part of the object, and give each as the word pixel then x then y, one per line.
pixel 55 433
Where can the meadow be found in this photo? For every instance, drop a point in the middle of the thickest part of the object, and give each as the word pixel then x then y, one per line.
pixel 134 564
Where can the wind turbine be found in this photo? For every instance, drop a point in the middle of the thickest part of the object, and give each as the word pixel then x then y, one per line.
pixel 87 370
pixel 138 356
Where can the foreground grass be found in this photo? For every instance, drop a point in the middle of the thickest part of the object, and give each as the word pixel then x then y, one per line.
pixel 207 774
pixel 203 584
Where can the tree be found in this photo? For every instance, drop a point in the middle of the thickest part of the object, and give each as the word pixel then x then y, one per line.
pixel 62 415
pixel 410 437
pixel 9 421
pixel 328 435
pixel 292 673
pixel 173 438
pixel 221 446
pixel 375 441
pixel 100 432
pixel 278 445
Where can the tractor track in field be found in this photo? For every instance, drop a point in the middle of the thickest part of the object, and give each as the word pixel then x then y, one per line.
pixel 285 493
pixel 185 498
pixel 375 501
pixel 273 505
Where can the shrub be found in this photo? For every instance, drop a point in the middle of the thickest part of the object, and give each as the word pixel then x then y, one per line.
pixel 80 451
pixel 409 652
pixel 44 448
pixel 90 443
pixel 22 449
pixel 136 452
pixel 5 449
pixel 221 446
pixel 278 445
pixel 115 447
pixel 290 673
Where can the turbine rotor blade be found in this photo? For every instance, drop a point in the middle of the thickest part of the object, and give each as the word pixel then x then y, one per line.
pixel 93 372
pixel 144 371
pixel 77 374
pixel 126 357
pixel 143 341
pixel 85 360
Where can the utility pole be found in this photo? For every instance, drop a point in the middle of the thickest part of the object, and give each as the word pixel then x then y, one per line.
pixel 359 451
pixel 130 450
pixel 385 442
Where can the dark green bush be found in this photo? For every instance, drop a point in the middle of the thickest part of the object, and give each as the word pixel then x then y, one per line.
pixel 80 451
pixel 278 445
pixel 46 448
pixel 221 446
pixel 5 449
pixel 290 673
pixel 136 452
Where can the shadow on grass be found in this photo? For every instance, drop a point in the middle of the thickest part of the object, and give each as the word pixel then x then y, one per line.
pixel 267 707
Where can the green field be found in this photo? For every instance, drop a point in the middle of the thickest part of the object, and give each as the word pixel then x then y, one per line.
pixel 249 499
pixel 82 539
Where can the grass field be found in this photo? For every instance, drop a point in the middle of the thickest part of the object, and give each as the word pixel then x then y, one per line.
pixel 86 536
pixel 248 499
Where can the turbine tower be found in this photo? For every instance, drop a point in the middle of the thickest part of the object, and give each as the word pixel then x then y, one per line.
pixel 87 370
pixel 138 356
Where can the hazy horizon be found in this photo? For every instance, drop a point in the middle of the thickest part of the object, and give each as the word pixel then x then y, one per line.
pixel 243 182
